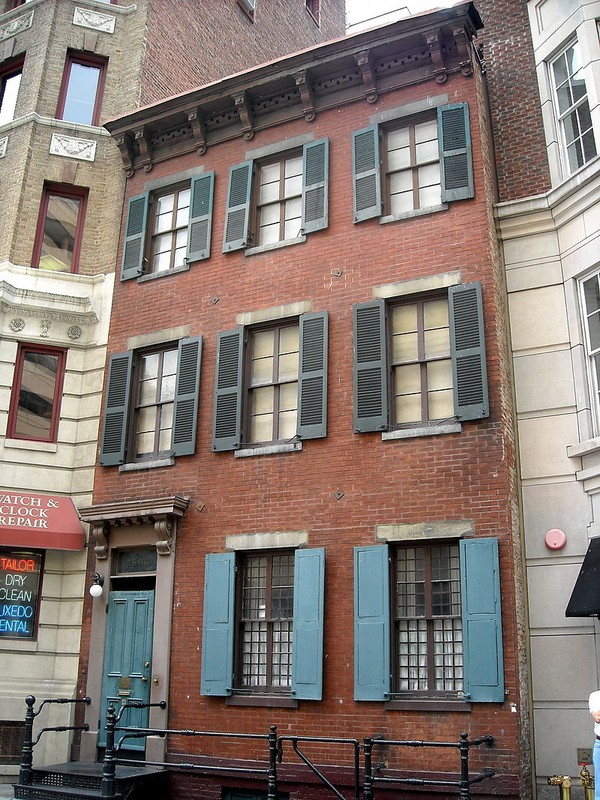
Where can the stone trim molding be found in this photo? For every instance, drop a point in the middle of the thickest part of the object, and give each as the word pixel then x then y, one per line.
pixel 72 147
pixel 86 18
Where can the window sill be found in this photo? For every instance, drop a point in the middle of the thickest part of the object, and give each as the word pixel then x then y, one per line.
pixel 153 276
pixel 154 464
pixel 265 248
pixel 30 444
pixel 420 212
pixel 262 701
pixel 413 433
pixel 432 705
pixel 269 449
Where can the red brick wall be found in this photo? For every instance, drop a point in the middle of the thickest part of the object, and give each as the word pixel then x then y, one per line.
pixel 463 476
pixel 514 98
pixel 210 40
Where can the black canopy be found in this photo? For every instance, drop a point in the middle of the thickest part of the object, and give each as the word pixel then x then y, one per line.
pixel 585 599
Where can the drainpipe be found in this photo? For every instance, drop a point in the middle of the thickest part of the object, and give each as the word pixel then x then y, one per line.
pixel 565 785
pixel 586 780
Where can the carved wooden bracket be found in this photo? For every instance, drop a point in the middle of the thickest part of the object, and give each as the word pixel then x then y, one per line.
pixel 462 45
pixel 100 536
pixel 304 84
pixel 434 46
pixel 142 138
pixel 198 129
pixel 124 144
pixel 363 59
pixel 243 105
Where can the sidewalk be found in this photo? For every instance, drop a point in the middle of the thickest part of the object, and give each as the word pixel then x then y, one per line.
pixel 6 790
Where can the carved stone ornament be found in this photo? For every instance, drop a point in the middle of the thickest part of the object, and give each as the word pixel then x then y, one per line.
pixel 3 146
pixel 92 19
pixel 16 26
pixel 72 147
pixel 74 332
pixel 17 325
pixel 100 536
pixel 45 328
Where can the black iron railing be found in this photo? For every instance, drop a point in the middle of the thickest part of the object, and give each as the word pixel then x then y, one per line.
pixel 29 742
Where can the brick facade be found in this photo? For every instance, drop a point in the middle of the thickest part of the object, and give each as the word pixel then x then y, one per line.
pixel 337 489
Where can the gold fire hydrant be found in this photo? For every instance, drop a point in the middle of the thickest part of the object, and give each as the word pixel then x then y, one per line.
pixel 586 780
pixel 565 785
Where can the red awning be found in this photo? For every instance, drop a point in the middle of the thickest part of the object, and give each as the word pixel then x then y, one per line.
pixel 42 521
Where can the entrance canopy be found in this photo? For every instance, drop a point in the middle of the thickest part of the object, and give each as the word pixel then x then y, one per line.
pixel 585 600
pixel 40 521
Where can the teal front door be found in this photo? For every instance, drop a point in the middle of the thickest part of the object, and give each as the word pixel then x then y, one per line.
pixel 127 661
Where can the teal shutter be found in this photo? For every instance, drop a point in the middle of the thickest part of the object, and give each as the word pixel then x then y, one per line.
pixel 218 624
pixel 186 396
pixel 370 367
pixel 116 410
pixel 372 662
pixel 227 426
pixel 467 341
pixel 312 381
pixel 315 178
pixel 482 620
pixel 135 236
pixel 238 207
pixel 366 173
pixel 307 648
pixel 456 161
pixel 200 223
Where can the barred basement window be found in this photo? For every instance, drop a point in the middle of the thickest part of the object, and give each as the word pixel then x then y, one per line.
pixel 12 735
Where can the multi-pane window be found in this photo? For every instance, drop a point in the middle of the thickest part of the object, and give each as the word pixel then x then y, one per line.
pixel 37 390
pixel 81 91
pixel 266 621
pixel 171 214
pixel 273 383
pixel 154 404
pixel 279 206
pixel 428 635
pixel 591 310
pixel 10 80
pixel 421 362
pixel 60 225
pixel 573 107
pixel 412 167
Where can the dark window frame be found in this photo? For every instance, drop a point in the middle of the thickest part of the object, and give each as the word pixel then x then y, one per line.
pixel 84 59
pixel 135 404
pixel 13 412
pixel 69 192
pixel 314 9
pixel 8 70
pixel 250 332
pixel 240 621
pixel 429 618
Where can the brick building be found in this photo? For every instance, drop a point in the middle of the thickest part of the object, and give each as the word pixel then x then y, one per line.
pixel 305 513
pixel 65 67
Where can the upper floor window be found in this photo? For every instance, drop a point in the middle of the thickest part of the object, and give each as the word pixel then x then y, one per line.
pixel 271 383
pixel 151 403
pixel 60 228
pixel 167 229
pixel 437 633
pixel 413 165
pixel 420 362
pixel 314 8
pixel 263 624
pixel 277 199
pixel 591 308
pixel 10 80
pixel 81 90
pixel 573 108
pixel 36 393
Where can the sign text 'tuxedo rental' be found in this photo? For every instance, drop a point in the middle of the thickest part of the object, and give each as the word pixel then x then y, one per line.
pixel 39 520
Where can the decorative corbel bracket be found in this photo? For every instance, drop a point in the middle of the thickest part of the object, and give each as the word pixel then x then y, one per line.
pixel 198 129
pixel 462 46
pixel 434 45
pixel 125 148
pixel 304 84
pixel 243 105
pixel 143 141
pixel 363 59
pixel 100 533
pixel 164 529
